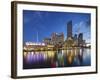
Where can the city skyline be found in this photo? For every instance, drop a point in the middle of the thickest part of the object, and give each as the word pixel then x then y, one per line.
pixel 45 23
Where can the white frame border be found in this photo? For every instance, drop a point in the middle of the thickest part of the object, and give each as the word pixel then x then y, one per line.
pixel 35 72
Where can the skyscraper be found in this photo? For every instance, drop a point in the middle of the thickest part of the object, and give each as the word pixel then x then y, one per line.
pixel 69 29
pixel 80 39
pixel 75 37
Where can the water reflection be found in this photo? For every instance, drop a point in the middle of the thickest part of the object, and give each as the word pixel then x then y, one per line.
pixel 59 58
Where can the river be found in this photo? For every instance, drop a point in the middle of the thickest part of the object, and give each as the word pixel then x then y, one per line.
pixel 60 58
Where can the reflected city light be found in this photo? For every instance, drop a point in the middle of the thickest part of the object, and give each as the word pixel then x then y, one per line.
pixel 61 58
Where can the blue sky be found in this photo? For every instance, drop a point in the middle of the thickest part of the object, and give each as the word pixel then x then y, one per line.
pixel 45 23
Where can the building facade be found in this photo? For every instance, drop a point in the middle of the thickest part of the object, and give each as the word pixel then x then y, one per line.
pixel 80 39
pixel 69 29
pixel 57 38
pixel 47 41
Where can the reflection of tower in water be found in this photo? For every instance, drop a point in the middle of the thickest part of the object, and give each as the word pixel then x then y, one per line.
pixel 70 56
pixel 80 56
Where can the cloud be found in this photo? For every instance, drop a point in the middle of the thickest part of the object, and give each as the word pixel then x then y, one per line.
pixel 83 27
pixel 88 23
pixel 38 14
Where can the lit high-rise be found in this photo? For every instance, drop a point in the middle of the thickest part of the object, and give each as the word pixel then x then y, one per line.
pixel 69 29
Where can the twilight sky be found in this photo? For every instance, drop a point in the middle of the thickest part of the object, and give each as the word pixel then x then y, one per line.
pixel 43 24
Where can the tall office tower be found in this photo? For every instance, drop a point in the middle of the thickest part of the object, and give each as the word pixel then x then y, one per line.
pixel 69 29
pixel 80 39
pixel 75 37
pixel 53 38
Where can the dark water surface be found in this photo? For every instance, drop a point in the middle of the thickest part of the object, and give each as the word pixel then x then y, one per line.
pixel 60 58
